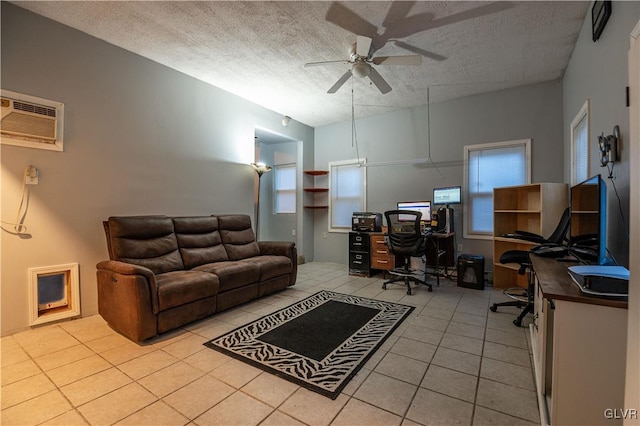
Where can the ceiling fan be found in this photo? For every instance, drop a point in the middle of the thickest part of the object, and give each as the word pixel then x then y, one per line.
pixel 361 64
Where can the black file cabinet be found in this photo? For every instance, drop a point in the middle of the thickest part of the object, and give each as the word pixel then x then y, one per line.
pixel 359 254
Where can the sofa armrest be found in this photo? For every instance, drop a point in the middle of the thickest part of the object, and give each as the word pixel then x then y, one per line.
pixel 282 248
pixel 128 298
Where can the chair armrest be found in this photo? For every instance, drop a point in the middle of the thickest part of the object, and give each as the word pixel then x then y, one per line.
pixel 282 248
pixel 276 248
pixel 129 272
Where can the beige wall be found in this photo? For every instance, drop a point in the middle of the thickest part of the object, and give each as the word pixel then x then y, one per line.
pixel 140 138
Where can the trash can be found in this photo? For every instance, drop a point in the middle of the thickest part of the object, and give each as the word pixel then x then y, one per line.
pixel 471 271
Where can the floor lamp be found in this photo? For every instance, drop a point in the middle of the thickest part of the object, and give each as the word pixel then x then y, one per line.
pixel 261 169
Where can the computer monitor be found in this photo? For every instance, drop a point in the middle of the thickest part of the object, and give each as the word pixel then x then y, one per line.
pixel 447 196
pixel 423 207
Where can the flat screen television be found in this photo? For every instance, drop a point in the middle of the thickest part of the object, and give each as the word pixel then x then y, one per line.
pixel 423 207
pixel 448 195
pixel 588 225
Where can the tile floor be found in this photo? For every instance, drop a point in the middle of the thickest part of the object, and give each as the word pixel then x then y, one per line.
pixel 452 362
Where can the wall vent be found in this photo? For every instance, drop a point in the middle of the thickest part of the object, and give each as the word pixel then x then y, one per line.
pixel 31 122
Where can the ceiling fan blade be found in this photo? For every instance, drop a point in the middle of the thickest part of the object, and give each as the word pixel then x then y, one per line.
pixel 340 82
pixel 380 82
pixel 350 21
pixel 316 64
pixel 363 44
pixel 419 51
pixel 398 60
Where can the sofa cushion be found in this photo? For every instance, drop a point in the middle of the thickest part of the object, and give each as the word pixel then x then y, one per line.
pixel 271 266
pixel 199 240
pixel 148 241
pixel 180 287
pixel 237 236
pixel 233 274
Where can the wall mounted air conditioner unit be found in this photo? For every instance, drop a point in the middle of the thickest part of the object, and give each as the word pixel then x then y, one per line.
pixel 31 122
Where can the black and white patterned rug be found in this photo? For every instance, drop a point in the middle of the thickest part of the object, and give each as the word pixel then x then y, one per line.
pixel 319 342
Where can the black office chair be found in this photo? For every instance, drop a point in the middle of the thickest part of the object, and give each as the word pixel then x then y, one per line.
pixel 405 239
pixel 554 246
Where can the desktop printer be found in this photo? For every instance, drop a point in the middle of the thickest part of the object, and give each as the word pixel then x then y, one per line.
pixel 366 222
pixel 601 280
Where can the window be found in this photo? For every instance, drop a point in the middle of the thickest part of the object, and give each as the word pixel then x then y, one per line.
pixel 580 145
pixel 491 166
pixel 347 192
pixel 284 188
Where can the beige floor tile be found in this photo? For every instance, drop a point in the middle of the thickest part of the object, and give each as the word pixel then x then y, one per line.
pixel 95 386
pixel 515 337
pixel 44 340
pixel 65 356
pixel 70 418
pixel 117 405
pixel 207 359
pixel 198 396
pixel 470 319
pixel 147 364
pixel 170 378
pixel 278 418
pixel 456 360
pixel 157 413
pixel 431 408
pixel 467 330
pixel 402 368
pixel 507 373
pixel 414 349
pixel 355 382
pixel 77 370
pixel 270 389
pixel 508 399
pixel 312 408
pixel 236 373
pixel 387 393
pixel 186 347
pixel 36 410
pixel 127 352
pixel 507 354
pixel 12 355
pixel 87 329
pixel 215 329
pixel 485 417
pixel 423 334
pixel 430 322
pixel 358 413
pixel 25 389
pixel 462 343
pixel 108 342
pixel 450 382
pixel 19 371
pixel 237 409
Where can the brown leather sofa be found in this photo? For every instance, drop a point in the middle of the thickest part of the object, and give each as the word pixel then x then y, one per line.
pixel 165 272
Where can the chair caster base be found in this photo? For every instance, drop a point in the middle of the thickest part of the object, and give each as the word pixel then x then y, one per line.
pixel 494 308
pixel 517 322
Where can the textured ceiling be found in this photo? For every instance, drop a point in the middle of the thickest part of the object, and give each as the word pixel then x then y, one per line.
pixel 257 50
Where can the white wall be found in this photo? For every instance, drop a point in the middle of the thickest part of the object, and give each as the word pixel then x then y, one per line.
pixel 140 138
pixel 598 72
pixel 533 111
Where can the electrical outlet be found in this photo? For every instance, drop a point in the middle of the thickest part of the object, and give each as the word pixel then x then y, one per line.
pixel 31 175
pixel 293 232
pixel 459 247
pixel 325 235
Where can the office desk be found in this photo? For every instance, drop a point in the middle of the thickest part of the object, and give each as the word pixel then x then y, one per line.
pixel 579 349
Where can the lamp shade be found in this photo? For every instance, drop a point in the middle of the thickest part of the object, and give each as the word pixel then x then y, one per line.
pixel 260 168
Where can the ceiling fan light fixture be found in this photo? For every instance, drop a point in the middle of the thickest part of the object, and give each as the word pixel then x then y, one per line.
pixel 361 69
